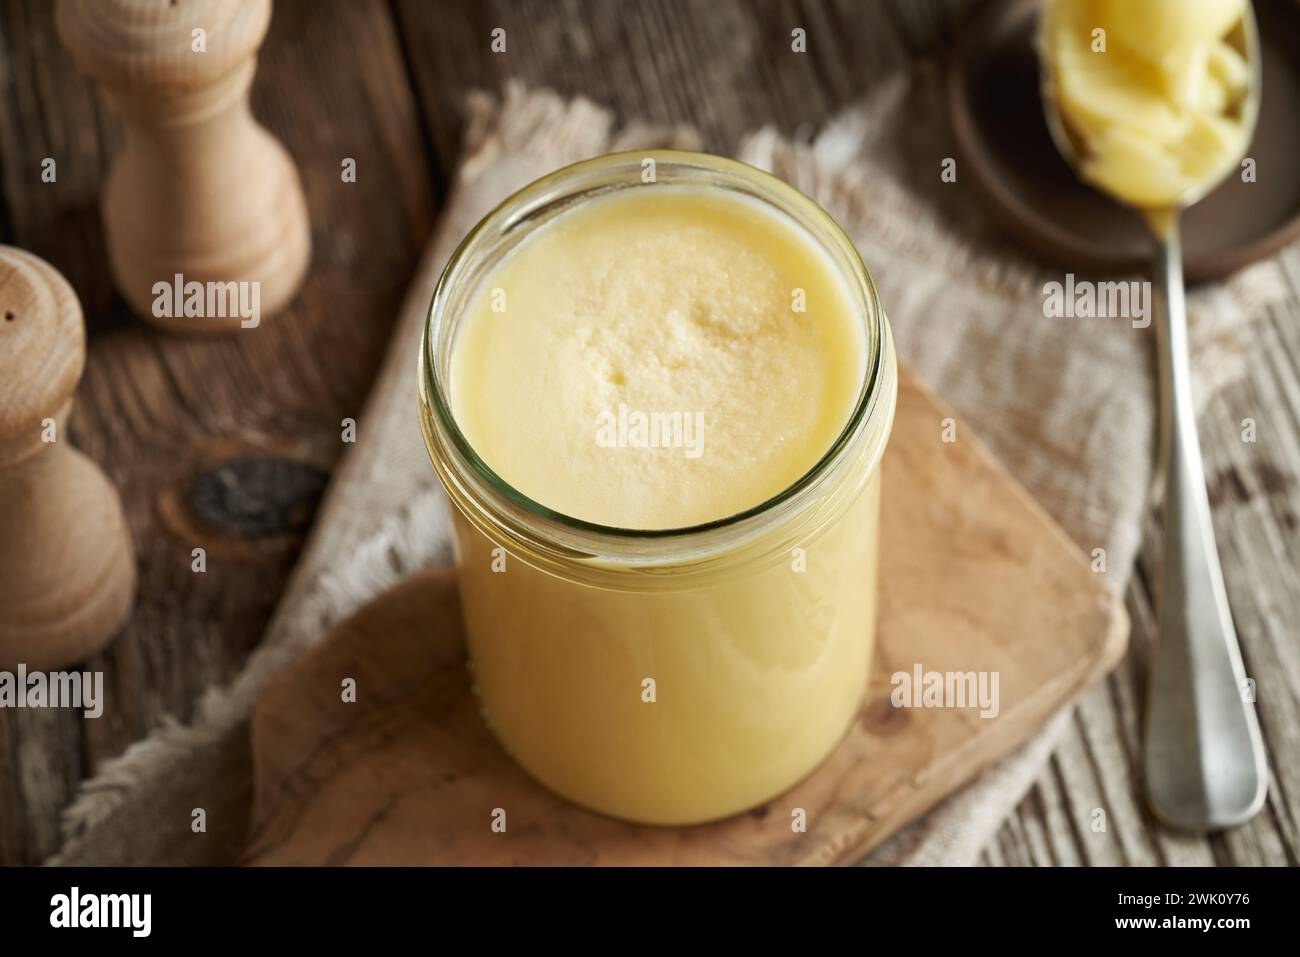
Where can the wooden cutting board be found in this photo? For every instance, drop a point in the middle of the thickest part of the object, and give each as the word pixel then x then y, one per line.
pixel 975 577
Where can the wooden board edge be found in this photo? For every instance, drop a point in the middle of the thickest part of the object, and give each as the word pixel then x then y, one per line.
pixel 1028 718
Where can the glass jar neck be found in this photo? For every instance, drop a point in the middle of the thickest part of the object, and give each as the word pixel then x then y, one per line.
pixel 618 557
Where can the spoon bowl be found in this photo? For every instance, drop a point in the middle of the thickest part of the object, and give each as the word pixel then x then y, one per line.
pixel 1244 37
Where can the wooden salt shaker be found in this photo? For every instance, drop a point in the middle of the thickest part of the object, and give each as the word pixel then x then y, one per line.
pixel 201 190
pixel 67 570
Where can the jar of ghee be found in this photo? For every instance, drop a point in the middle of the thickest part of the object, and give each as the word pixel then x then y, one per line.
pixel 657 388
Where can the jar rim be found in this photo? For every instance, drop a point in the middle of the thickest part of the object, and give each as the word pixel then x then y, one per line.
pixel 443 433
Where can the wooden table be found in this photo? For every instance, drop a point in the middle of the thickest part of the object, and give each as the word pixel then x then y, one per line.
pixel 228 442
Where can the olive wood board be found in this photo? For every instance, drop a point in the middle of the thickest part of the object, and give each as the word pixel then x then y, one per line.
pixel 974 577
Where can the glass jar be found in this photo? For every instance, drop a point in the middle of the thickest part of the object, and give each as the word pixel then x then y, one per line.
pixel 670 676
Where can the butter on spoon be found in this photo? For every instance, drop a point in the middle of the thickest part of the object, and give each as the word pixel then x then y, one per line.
pixel 1153 102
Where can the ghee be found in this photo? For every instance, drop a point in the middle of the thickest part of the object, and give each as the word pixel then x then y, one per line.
pixel 678 304
pixel 1155 91
pixel 675 630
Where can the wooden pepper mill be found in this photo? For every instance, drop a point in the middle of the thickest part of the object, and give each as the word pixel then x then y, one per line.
pixel 201 190
pixel 67 570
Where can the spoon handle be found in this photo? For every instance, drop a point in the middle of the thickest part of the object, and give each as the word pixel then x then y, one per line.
pixel 1205 767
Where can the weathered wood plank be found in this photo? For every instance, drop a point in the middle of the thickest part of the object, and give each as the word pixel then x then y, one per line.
pixel 1256 500
pixel 174 420
pixel 334 82
pixel 724 66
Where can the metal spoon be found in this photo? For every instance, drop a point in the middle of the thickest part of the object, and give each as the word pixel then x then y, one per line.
pixel 1204 757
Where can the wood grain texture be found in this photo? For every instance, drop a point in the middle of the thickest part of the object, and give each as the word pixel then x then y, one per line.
pixel 410 774
pixel 1255 495
pixel 723 66
pixel 199 434
pixel 382 80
